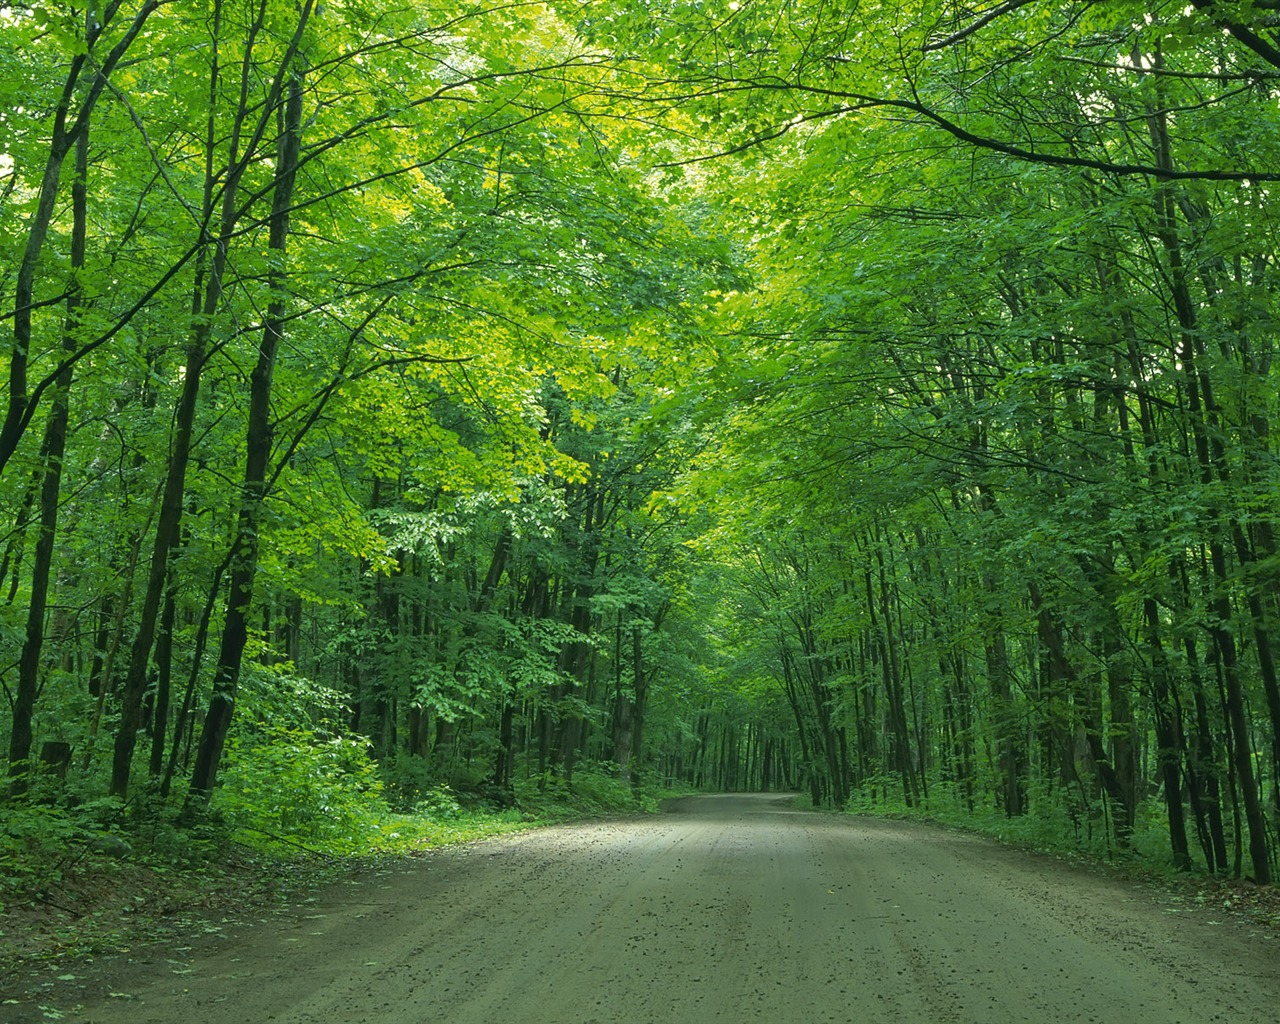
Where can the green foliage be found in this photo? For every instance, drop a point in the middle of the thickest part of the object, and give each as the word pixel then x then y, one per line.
pixel 926 431
pixel 438 804
pixel 289 789
pixel 51 835
pixel 1058 824
pixel 37 843
pixel 595 788
pixel 412 785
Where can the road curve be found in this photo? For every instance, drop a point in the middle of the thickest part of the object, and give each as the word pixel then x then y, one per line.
pixel 733 909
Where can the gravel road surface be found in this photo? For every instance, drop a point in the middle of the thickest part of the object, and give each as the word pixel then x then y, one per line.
pixel 730 908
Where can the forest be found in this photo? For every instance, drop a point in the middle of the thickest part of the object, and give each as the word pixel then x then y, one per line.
pixel 414 405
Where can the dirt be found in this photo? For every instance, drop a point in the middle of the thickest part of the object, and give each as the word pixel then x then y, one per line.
pixel 733 909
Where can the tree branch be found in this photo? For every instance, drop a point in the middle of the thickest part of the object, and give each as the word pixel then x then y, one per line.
pixel 982 21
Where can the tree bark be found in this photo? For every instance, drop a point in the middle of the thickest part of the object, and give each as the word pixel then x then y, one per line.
pixel 52 450
pixel 244 565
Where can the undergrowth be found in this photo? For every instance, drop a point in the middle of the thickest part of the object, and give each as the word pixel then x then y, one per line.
pixel 1054 823
pixel 287 801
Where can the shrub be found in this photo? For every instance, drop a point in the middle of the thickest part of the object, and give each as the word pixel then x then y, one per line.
pixel 288 787
pixel 36 844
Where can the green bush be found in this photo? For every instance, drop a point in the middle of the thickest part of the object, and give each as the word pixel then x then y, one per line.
pixel 439 803
pixel 1057 821
pixel 290 788
pixel 596 787
pixel 37 843
pixel 406 781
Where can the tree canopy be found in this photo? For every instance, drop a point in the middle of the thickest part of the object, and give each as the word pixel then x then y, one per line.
pixel 867 399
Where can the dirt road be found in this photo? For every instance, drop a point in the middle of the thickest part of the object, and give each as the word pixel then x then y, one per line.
pixel 732 909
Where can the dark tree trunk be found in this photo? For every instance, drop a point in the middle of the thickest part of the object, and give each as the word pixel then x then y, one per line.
pixel 244 565
pixel 164 686
pixel 52 451
pixel 1168 752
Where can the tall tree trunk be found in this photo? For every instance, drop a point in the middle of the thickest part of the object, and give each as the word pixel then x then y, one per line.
pixel 243 147
pixel 164 687
pixel 1220 604
pixel 622 706
pixel 640 687
pixel 244 565
pixel 881 620
pixel 1202 757
pixel 52 451
pixel 1168 753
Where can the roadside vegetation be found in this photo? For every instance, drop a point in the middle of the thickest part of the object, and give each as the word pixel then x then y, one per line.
pixel 419 422
pixel 100 876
